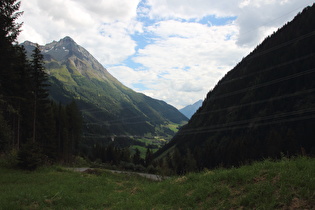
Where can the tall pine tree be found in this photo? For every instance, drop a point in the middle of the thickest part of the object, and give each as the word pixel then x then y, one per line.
pixel 9 30
pixel 40 93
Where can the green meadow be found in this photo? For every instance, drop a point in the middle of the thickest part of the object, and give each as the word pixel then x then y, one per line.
pixel 283 184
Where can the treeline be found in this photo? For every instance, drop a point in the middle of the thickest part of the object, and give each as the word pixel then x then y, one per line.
pixel 122 158
pixel 176 163
pixel 30 124
pixel 115 157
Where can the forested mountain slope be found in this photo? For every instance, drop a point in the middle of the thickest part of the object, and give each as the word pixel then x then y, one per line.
pixel 109 107
pixel 264 107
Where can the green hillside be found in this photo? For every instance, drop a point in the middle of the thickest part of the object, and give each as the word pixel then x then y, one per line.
pixel 261 108
pixel 109 108
pixel 286 184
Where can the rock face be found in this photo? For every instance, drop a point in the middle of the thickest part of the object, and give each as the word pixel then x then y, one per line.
pixel 107 105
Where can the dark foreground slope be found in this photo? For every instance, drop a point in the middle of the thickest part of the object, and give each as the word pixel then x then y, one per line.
pixel 108 107
pixel 263 107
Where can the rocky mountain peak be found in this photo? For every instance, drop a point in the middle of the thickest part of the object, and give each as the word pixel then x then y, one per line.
pixel 75 74
pixel 67 51
pixel 28 43
pixel 67 39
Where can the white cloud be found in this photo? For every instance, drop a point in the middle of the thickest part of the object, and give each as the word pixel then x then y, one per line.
pixel 244 3
pixel 253 16
pixel 103 27
pixel 111 10
pixel 129 76
pixel 187 9
pixel 67 13
pixel 187 59
pixel 182 59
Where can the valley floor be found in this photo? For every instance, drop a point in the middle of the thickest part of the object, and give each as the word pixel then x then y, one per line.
pixel 285 184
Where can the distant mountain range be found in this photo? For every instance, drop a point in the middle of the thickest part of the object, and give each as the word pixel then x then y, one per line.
pixel 264 107
pixel 189 110
pixel 108 107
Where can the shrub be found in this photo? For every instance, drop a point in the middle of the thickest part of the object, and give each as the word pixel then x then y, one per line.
pixel 30 156
pixel 151 169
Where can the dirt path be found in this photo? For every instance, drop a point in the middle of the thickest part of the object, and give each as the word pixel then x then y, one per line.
pixel 148 176
pixel 79 169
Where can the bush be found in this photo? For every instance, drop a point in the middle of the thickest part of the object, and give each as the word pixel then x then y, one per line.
pixel 139 168
pixel 81 162
pixel 151 169
pixel 30 156
pixel 8 159
pixel 127 166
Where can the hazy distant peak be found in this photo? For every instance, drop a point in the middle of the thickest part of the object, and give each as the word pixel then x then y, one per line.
pixel 29 43
pixel 189 110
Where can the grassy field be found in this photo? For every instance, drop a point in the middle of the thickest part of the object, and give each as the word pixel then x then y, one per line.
pixel 283 184
pixel 157 141
pixel 148 141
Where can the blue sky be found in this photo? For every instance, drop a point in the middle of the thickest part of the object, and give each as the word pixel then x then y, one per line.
pixel 172 50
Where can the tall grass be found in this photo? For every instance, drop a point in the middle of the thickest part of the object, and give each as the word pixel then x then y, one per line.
pixel 262 185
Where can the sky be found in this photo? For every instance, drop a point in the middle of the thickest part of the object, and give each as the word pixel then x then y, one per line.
pixel 172 50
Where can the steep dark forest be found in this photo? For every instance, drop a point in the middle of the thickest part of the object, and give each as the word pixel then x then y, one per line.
pixel 31 125
pixel 264 107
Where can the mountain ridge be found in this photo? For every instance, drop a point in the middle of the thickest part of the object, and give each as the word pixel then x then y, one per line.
pixel 189 110
pixel 109 107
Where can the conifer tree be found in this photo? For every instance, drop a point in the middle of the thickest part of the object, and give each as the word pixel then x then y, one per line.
pixel 190 162
pixel 40 93
pixel 178 162
pixel 22 95
pixel 137 160
pixel 125 155
pixel 4 133
pixel 148 157
pixel 75 126
pixel 9 31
